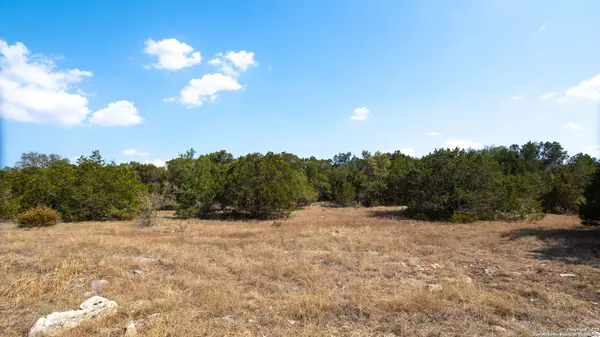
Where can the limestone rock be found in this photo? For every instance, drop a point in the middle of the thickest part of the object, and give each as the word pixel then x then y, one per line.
pixel 498 328
pixel 56 322
pixel 434 287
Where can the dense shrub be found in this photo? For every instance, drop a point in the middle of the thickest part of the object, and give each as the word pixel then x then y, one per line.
pixel 515 182
pixel 589 208
pixel 195 185
pixel 567 185
pixel 459 185
pixel 265 187
pixel 39 216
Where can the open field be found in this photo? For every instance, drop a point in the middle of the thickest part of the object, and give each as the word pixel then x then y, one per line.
pixel 323 272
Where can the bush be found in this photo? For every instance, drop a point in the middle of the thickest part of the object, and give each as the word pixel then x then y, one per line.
pixel 589 206
pixel 465 186
pixel 40 216
pixel 345 194
pixel 150 203
pixel 265 187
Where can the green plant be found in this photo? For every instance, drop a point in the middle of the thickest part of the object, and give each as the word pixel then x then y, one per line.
pixel 40 216
pixel 150 203
pixel 589 207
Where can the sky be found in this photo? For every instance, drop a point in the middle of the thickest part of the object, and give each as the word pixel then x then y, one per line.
pixel 147 80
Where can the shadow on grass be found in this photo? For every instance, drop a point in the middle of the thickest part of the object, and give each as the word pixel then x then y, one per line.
pixel 399 214
pixel 568 245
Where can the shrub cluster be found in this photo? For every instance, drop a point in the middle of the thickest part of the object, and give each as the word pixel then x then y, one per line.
pixel 504 183
pixel 39 216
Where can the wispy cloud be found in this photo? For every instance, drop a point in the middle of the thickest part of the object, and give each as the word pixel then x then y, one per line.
pixel 548 95
pixel 573 126
pixel 134 152
pixel 543 27
pixel 360 114
pixel 433 134
pixel 516 97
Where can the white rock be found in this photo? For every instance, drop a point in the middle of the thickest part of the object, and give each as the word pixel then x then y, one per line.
pixel 131 329
pixel 227 318
pixel 498 328
pixel 434 287
pixel 568 275
pixel 56 322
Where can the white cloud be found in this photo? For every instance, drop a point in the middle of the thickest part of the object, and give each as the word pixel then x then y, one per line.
pixel 121 113
pixel 587 89
pixel 35 90
pixel 462 144
pixel 232 63
pixel 561 100
pixel 408 151
pixel 172 54
pixel 543 27
pixel 360 114
pixel 134 152
pixel 593 150
pixel 156 162
pixel 205 88
pixel 169 99
pixel 548 95
pixel 573 126
pixel 517 97
pixel 433 134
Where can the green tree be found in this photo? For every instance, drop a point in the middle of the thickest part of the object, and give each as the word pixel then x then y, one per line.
pixel 589 208
pixel 264 186
pixel 568 183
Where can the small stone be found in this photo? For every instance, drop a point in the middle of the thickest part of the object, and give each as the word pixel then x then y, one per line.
pixel 568 275
pixel 227 318
pixel 131 329
pixel 434 287
pixel 138 272
pixel 436 266
pixel 498 328
pixel 166 262
pixel 489 272
pixel 466 279
pixel 292 322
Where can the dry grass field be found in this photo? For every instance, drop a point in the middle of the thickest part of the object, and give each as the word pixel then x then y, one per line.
pixel 323 272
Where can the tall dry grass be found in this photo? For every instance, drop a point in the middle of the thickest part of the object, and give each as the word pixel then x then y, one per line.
pixel 322 272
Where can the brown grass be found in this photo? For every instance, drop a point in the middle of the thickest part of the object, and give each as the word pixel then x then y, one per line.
pixel 323 272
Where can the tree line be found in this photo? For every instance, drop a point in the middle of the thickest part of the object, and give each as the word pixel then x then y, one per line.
pixel 494 183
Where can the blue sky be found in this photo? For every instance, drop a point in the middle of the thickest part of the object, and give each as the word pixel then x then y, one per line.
pixel 146 80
